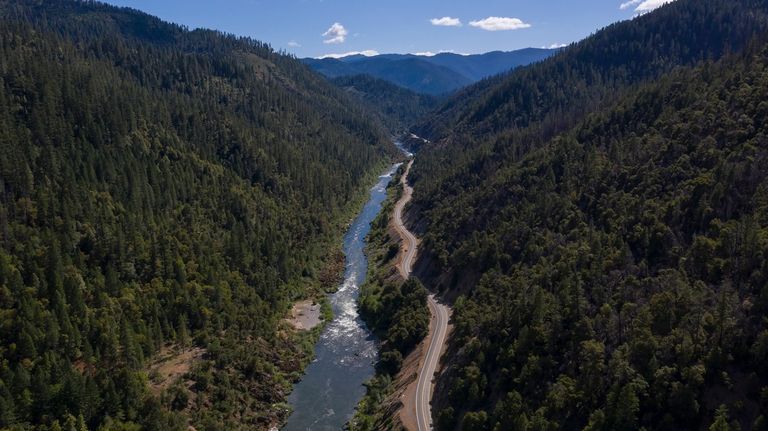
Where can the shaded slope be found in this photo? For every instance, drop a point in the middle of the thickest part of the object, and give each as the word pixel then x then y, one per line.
pixel 502 118
pixel 603 233
pixel 621 279
pixel 160 187
pixel 397 107
pixel 579 77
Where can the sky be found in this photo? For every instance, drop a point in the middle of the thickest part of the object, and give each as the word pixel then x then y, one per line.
pixel 316 28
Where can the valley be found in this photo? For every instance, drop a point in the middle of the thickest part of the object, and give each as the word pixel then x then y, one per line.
pixel 345 354
pixel 200 230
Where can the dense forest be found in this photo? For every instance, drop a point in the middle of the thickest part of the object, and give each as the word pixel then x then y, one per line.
pixel 396 107
pixel 601 221
pixel 161 189
pixel 503 117
pixel 622 267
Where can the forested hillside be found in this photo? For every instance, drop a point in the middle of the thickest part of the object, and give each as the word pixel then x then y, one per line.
pixel 503 117
pixel 396 107
pixel 622 267
pixel 160 188
pixel 603 226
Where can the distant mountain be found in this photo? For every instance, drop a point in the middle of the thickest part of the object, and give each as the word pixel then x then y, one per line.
pixel 477 67
pixel 412 73
pixel 437 74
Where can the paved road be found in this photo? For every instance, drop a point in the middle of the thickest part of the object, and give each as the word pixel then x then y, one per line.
pixel 439 324
pixel 410 244
pixel 428 368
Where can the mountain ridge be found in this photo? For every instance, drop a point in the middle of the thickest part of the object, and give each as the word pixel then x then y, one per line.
pixel 437 74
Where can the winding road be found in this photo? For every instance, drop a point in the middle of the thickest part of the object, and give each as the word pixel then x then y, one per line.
pixel 410 244
pixel 440 315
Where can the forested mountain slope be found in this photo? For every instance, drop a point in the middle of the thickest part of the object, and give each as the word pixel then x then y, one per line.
pixel 160 187
pixel 605 232
pixel 397 108
pixel 505 116
pixel 623 280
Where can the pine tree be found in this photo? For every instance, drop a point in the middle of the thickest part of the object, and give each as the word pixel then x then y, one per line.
pixel 721 420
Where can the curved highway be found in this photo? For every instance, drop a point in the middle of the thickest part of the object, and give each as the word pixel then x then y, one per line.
pixel 410 244
pixel 439 312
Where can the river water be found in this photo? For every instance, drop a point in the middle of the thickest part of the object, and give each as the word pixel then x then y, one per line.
pixel 346 353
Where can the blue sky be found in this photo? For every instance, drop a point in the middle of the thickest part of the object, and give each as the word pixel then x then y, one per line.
pixel 312 28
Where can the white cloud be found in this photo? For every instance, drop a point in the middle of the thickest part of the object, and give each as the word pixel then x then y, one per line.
pixel 294 44
pixel 649 5
pixel 367 53
pixel 556 45
pixel 446 21
pixel 336 34
pixel 629 4
pixel 643 6
pixel 497 23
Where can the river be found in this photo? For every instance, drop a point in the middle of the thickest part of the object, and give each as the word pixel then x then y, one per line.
pixel 345 354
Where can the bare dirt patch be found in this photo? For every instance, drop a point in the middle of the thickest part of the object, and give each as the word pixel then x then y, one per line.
pixel 405 385
pixel 171 364
pixel 305 315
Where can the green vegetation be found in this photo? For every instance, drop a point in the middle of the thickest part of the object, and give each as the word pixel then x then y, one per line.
pixel 502 118
pixel 621 270
pixel 398 312
pixel 395 310
pixel 602 221
pixel 161 187
pixel 396 107
pixel 376 411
